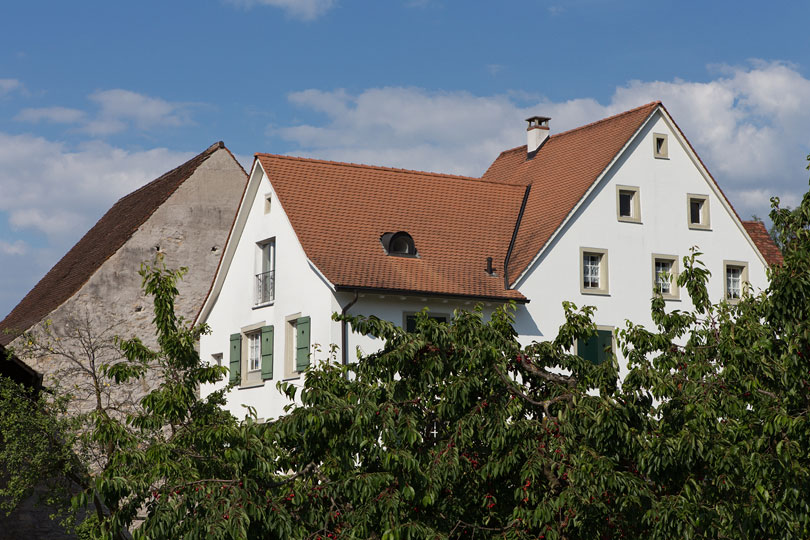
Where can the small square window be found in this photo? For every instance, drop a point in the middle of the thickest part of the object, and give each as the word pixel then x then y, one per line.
pixel 660 147
pixel 697 211
pixel 665 275
pixel 593 271
pixel 628 204
pixel 736 273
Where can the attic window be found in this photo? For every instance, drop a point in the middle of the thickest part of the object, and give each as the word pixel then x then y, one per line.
pixel 399 244
pixel 660 149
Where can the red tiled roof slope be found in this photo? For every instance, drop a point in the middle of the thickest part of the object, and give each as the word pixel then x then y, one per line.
pixel 99 244
pixel 764 242
pixel 560 173
pixel 340 210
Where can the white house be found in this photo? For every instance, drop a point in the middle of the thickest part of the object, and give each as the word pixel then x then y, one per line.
pixel 594 215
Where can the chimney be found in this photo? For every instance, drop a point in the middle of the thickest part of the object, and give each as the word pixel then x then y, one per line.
pixel 536 133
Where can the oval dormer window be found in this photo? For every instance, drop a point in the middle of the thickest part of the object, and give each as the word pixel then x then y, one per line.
pixel 399 244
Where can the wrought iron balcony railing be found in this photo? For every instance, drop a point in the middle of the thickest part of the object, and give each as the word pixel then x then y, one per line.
pixel 265 288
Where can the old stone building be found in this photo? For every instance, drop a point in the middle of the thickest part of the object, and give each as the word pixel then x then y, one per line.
pixel 93 294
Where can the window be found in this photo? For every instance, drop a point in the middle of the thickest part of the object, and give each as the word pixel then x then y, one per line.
pixel 251 356
pixel 410 320
pixel 665 275
pixel 697 208
pixel 593 271
pixel 265 285
pixel 254 351
pixel 268 202
pixel 736 273
pixel 596 348
pixel 399 244
pixel 297 355
pixel 628 204
pixel 660 147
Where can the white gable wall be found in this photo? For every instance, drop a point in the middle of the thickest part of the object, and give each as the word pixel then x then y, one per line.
pixel 664 229
pixel 299 289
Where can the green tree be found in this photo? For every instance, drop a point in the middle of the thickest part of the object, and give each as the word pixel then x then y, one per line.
pixel 456 431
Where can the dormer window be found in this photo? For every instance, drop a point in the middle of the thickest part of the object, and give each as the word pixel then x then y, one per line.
pixel 399 244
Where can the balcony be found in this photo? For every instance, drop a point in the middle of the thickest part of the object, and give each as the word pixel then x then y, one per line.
pixel 265 288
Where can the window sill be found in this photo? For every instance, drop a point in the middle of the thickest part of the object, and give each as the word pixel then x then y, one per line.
pixel 293 377
pixel 249 385
pixel 629 220
pixel 594 292
pixel 695 227
pixel 264 304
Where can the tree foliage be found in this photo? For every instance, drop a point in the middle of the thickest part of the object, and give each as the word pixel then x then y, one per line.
pixel 456 431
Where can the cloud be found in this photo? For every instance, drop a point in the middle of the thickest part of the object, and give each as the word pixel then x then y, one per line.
pixel 16 248
pixel 57 115
pixel 120 109
pixel 8 86
pixel 305 10
pixel 748 124
pixel 60 191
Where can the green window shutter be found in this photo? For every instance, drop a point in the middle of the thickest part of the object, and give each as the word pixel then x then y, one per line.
pixel 594 348
pixel 302 351
pixel 605 344
pixel 267 352
pixel 236 358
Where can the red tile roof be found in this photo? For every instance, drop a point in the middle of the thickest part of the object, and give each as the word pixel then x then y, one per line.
pixel 764 242
pixel 95 247
pixel 340 210
pixel 561 172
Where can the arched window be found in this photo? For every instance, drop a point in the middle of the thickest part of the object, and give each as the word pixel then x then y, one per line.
pixel 399 244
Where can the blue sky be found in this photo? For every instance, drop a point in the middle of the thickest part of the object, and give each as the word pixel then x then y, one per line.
pixel 99 97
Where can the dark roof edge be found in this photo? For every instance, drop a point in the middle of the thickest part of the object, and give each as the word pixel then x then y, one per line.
pixel 413 292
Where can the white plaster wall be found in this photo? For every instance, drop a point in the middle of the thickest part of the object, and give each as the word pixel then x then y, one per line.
pixel 664 229
pixel 298 289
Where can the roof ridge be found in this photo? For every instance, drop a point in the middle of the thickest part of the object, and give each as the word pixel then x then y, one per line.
pixel 387 169
pixel 586 126
pixel 606 119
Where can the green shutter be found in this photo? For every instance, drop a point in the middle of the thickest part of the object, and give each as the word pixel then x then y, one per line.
pixel 605 344
pixel 267 352
pixel 236 358
pixel 302 352
pixel 596 348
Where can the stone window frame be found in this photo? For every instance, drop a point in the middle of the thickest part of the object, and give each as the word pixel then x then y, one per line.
pixel 744 284
pixel 635 203
pixel 604 277
pixel 674 291
pixel 705 214
pixel 660 145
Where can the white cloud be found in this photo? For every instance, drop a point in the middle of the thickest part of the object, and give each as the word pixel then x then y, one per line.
pixel 16 248
pixel 9 85
pixel 57 115
pixel 306 10
pixel 59 191
pixel 748 125
pixel 119 109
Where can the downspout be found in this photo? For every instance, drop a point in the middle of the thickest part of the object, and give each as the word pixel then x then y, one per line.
pixel 514 237
pixel 343 330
